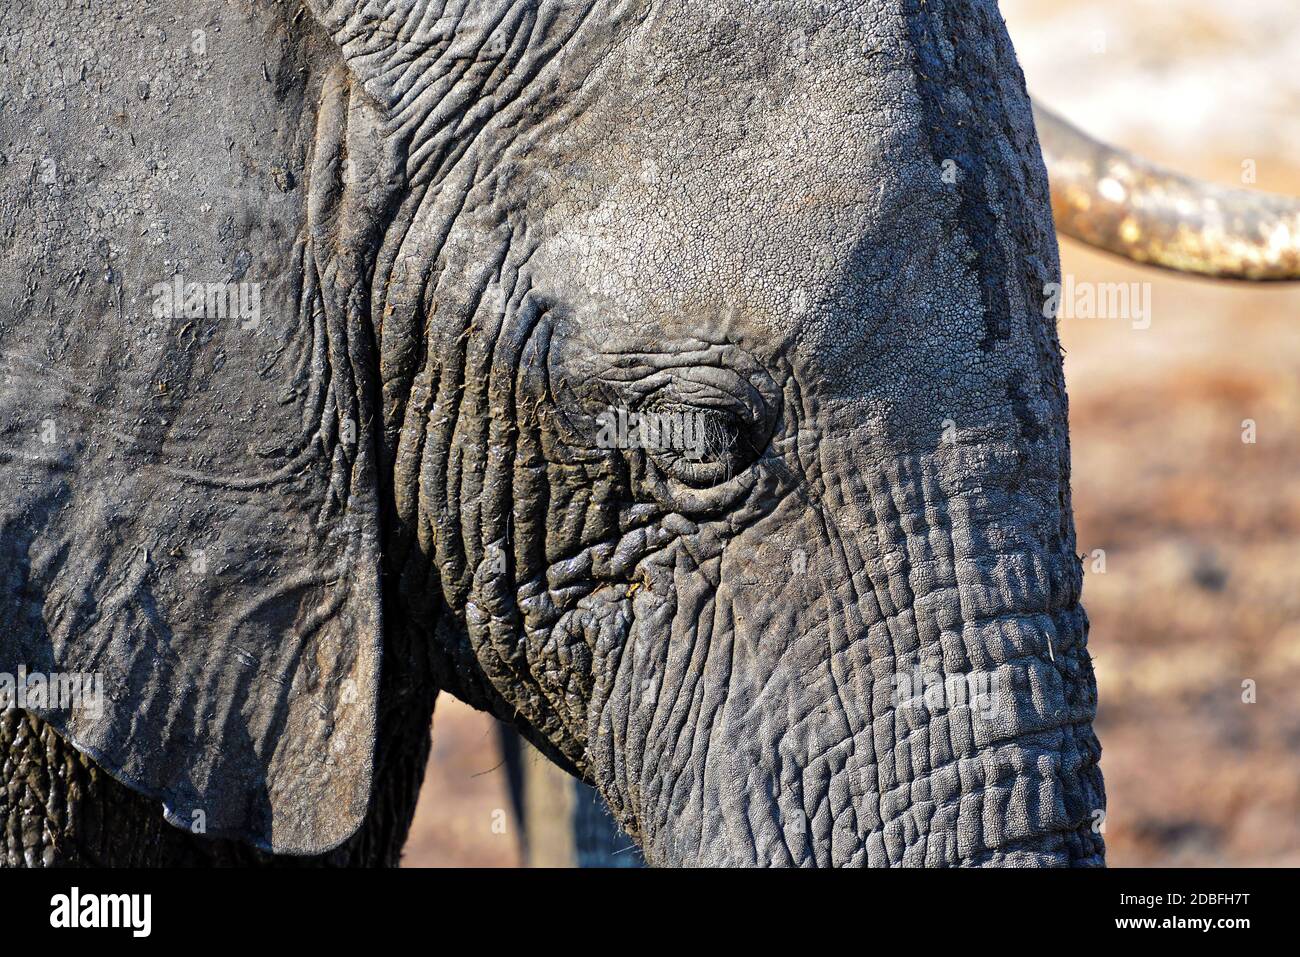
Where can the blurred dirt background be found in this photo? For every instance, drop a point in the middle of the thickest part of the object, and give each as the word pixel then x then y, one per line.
pixel 1200 531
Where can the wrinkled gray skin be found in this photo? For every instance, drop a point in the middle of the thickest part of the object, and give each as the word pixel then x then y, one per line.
pixel 476 228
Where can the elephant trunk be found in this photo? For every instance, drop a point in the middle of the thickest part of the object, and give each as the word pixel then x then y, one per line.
pixel 891 670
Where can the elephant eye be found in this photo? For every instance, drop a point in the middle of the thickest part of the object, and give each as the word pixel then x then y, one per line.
pixel 694 424
pixel 700 447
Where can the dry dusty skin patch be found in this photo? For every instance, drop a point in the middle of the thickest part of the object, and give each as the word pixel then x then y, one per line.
pixel 1201 532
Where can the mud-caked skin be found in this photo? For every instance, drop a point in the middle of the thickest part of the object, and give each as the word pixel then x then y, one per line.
pixel 813 235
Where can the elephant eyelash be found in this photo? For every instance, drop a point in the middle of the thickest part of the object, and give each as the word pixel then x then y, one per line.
pixel 700 447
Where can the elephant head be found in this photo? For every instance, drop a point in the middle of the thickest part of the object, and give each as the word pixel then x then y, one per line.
pixel 669 379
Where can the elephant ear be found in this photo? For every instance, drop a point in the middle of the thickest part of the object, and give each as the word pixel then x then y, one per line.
pixel 189 531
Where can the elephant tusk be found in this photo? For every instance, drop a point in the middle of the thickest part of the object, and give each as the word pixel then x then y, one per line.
pixel 1118 202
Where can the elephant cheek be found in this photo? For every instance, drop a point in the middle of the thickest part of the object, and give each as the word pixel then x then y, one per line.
pixel 845 707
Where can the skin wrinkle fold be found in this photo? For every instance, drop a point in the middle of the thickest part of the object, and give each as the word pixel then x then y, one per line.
pixel 692 716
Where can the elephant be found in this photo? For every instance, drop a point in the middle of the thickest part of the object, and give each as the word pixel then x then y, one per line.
pixel 669 380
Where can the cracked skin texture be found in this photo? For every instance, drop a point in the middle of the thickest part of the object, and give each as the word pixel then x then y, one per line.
pixel 510 218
